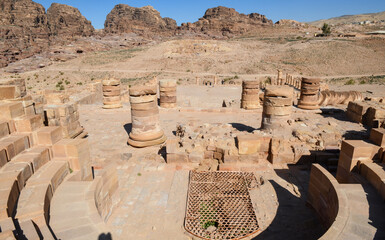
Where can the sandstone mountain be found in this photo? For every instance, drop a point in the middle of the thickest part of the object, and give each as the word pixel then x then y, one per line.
pixel 289 22
pixel 144 21
pixel 68 21
pixel 348 19
pixel 26 29
pixel 227 22
pixel 23 30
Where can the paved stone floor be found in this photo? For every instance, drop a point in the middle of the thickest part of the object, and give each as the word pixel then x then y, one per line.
pixel 152 203
pixel 153 194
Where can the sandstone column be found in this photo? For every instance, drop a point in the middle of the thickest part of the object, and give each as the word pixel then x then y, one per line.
pixel 279 77
pixel 111 94
pixel 167 91
pixel 216 80
pixel 310 88
pixel 277 107
pixel 197 80
pixel 250 95
pixel 146 130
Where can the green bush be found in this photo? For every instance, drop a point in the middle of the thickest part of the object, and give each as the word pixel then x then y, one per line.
pixel 350 82
pixel 326 29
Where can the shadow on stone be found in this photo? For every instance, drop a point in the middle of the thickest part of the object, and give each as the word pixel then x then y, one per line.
pixel 104 236
pixel 293 220
pixel 128 128
pixel 376 210
pixel 243 128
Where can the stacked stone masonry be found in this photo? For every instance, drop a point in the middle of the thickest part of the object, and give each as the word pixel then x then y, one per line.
pixel 369 113
pixel 277 107
pixel 323 186
pixel 14 90
pixel 146 130
pixel 344 208
pixel 352 152
pixel 250 95
pixel 375 174
pixel 35 162
pixel 310 88
pixel 60 111
pixel 167 92
pixel 80 209
pixel 111 94
pixel 192 145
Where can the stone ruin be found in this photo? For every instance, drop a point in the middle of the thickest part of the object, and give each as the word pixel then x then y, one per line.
pixel 310 88
pixel 277 107
pixel 45 168
pixel 111 94
pixel 146 130
pixel 51 187
pixel 250 95
pixel 167 92
pixel 369 113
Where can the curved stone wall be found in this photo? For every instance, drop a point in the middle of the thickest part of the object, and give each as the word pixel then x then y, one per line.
pixel 329 200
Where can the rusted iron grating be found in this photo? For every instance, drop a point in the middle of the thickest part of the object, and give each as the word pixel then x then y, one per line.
pixel 219 205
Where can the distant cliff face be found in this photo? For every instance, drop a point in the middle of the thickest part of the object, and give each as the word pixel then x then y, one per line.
pixel 145 21
pixel 23 30
pixel 67 21
pixel 227 21
pixel 26 29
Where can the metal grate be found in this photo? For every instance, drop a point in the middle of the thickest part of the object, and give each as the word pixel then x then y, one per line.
pixel 219 205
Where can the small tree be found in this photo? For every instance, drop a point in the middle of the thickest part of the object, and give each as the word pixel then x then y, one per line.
pixel 326 29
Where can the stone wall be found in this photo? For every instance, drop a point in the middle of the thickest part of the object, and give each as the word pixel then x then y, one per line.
pixel 328 199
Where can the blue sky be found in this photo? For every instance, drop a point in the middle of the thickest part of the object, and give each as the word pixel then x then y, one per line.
pixel 189 11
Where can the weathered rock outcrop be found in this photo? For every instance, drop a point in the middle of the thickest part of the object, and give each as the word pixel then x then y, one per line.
pixel 67 21
pixel 290 23
pixel 145 21
pixel 227 22
pixel 26 29
pixel 23 30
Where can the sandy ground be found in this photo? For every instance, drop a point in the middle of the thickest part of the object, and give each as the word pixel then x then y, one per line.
pixel 242 58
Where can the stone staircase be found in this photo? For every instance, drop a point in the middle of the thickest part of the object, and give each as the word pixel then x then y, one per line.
pixel 366 213
pixel 352 207
pixel 36 163
pixel 79 208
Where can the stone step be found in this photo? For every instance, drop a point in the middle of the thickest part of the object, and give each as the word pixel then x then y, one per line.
pixel 12 145
pixel 15 174
pixel 79 207
pixel 35 198
pixel 4 129
pixel 366 210
pixel 36 157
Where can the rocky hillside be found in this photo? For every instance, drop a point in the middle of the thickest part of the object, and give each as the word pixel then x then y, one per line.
pixel 227 22
pixel 21 34
pixel 144 21
pixel 67 21
pixel 26 29
pixel 349 19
